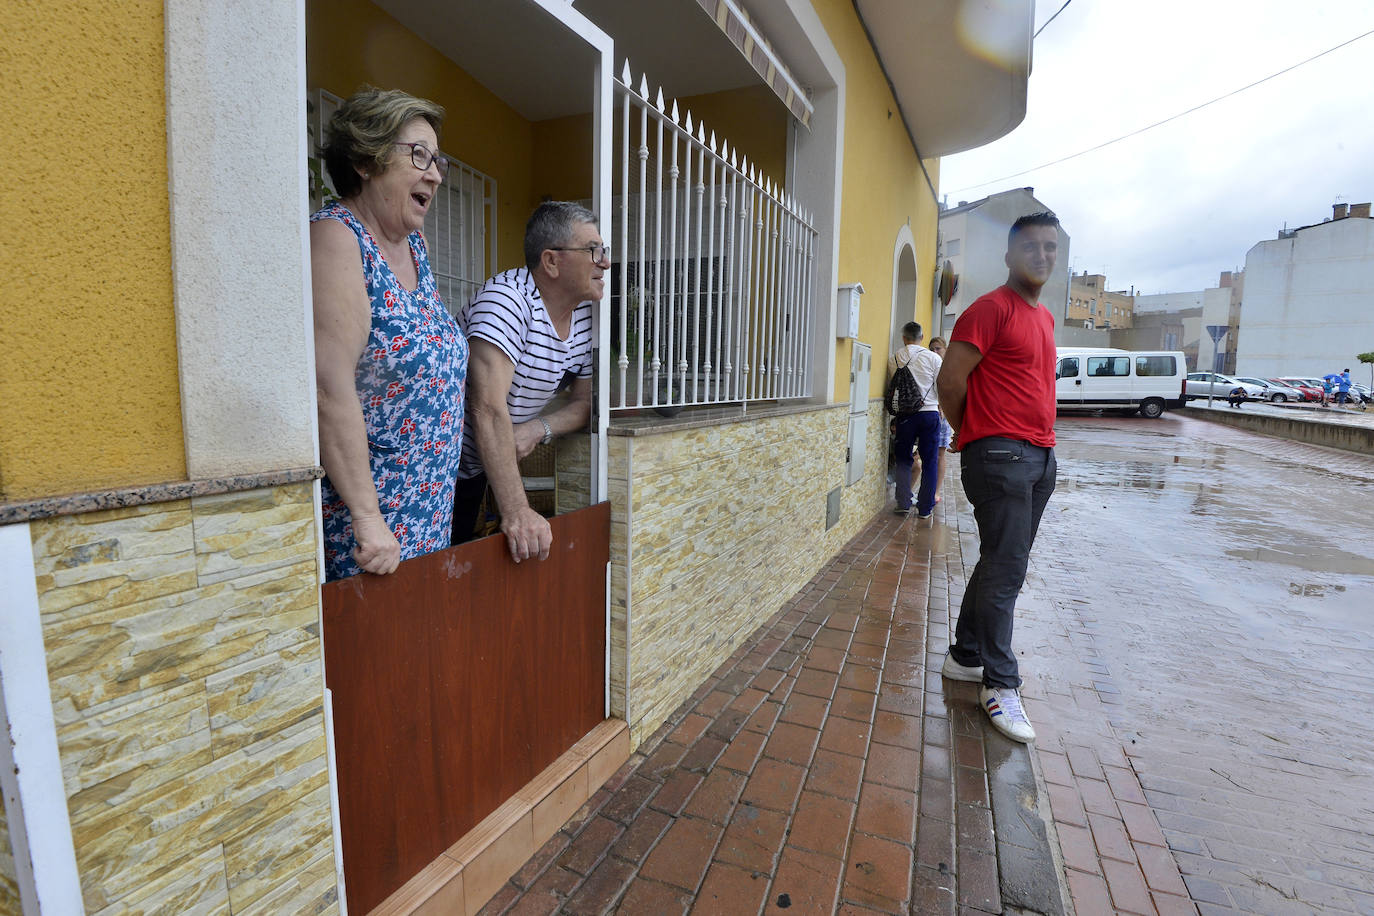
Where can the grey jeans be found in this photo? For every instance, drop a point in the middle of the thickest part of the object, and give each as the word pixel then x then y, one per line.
pixel 1008 483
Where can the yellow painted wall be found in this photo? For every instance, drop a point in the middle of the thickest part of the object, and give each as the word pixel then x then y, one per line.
pixel 562 159
pixel 883 189
pixel 89 390
pixel 351 43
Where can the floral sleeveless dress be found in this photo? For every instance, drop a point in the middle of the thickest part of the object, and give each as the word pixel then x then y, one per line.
pixel 411 380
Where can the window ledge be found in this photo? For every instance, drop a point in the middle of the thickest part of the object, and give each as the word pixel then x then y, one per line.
pixel 715 416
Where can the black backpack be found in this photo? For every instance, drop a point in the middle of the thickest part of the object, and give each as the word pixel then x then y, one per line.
pixel 903 396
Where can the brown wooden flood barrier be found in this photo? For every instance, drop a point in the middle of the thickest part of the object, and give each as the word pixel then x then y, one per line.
pixel 454 682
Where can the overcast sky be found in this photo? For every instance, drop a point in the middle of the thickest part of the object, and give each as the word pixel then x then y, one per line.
pixel 1170 209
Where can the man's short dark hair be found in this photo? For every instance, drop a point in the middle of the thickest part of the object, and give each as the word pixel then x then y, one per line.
pixel 911 331
pixel 1043 218
pixel 551 225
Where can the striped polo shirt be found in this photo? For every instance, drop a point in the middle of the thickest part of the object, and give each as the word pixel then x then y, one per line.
pixel 509 313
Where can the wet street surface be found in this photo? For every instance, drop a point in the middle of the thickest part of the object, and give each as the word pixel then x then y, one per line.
pixel 1192 634
pixel 1200 609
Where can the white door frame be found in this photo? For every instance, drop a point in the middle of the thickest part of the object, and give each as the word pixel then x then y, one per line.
pixel 905 241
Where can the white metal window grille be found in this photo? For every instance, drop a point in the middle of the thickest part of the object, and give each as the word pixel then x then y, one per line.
pixel 460 230
pixel 460 226
pixel 711 288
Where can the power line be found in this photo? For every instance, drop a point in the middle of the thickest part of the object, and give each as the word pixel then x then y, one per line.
pixel 1142 130
pixel 1051 19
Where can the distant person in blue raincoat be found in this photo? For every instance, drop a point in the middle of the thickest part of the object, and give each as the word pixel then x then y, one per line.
pixel 1347 392
pixel 1342 383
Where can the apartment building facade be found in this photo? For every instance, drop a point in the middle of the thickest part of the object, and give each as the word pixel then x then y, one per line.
pixel 1091 303
pixel 973 238
pixel 1309 297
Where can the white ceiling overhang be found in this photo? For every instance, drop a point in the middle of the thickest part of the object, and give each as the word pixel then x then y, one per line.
pixel 959 68
pixel 514 48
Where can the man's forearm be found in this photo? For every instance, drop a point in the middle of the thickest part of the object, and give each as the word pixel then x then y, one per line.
pixel 569 418
pixel 496 443
pixel 952 399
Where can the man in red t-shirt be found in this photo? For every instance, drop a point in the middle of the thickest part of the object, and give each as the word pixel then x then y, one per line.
pixel 997 390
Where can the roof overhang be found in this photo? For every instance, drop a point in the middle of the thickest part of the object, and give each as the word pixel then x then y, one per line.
pixel 959 68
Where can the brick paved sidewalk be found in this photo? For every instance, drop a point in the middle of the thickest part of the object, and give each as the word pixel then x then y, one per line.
pixel 1115 856
pixel 825 767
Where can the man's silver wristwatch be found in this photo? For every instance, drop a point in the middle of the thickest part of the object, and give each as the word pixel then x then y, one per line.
pixel 548 431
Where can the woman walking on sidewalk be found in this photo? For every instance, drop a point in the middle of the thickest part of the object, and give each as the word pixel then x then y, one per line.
pixel 938 346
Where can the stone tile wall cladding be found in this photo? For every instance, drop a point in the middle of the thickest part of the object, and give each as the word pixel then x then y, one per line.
pixel 573 473
pixel 184 660
pixel 713 529
pixel 9 884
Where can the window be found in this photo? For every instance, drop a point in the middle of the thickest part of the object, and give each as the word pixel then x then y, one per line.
pixel 1068 367
pixel 712 290
pixel 952 247
pixel 1170 340
pixel 1109 366
pixel 1154 365
pixel 1092 307
pixel 456 233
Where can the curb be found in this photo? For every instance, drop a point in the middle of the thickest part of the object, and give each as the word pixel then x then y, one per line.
pixel 1358 439
pixel 1029 872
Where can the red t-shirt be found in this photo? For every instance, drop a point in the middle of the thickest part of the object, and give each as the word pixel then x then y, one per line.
pixel 1011 390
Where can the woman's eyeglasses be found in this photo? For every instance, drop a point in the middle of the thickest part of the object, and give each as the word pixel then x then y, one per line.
pixel 421 157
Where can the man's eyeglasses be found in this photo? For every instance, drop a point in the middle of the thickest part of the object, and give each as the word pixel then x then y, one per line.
pixel 421 157
pixel 599 253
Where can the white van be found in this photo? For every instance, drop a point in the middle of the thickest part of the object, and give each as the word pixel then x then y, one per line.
pixel 1098 378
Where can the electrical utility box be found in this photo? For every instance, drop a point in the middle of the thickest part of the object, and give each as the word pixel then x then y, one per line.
pixel 860 369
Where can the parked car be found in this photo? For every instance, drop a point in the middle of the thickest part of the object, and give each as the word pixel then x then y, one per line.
pixel 1310 382
pixel 1200 384
pixel 1309 393
pixel 1365 392
pixel 1277 392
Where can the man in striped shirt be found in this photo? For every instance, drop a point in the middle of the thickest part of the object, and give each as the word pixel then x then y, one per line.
pixel 530 333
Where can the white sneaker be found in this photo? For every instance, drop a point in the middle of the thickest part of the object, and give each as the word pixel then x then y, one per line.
pixel 957 672
pixel 1003 705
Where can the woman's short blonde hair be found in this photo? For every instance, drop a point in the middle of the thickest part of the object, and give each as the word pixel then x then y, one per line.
pixel 362 131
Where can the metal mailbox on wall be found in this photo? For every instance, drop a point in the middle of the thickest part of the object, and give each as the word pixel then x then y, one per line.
pixel 847 310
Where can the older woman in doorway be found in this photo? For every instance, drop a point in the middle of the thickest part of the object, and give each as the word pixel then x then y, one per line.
pixel 390 361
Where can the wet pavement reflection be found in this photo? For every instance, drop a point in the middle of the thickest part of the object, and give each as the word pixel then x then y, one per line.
pixel 1205 596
